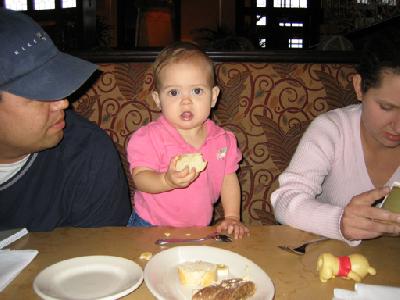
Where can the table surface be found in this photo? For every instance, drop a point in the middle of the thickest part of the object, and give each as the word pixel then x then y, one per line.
pixel 293 276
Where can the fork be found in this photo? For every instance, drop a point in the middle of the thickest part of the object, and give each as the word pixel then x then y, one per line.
pixel 300 250
pixel 213 236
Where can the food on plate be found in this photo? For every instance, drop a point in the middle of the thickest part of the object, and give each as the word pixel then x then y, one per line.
pixel 146 255
pixel 192 160
pixel 222 270
pixel 229 289
pixel 197 273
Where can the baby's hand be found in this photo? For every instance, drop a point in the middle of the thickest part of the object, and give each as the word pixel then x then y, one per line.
pixel 233 225
pixel 179 179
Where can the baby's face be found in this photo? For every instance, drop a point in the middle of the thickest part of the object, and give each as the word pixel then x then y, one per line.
pixel 185 93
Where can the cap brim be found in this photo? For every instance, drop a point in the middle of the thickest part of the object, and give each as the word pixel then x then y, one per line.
pixel 58 78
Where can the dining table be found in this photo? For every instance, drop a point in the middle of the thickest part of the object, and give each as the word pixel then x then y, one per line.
pixel 293 276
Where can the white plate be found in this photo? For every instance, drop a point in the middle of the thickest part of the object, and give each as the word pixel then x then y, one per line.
pixel 89 277
pixel 161 275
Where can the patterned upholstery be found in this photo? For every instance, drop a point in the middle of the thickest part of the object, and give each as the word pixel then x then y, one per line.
pixel 267 106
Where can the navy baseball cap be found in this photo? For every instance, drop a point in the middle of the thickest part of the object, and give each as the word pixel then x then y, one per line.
pixel 31 66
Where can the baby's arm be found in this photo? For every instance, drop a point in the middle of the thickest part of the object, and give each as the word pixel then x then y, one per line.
pixel 150 181
pixel 230 198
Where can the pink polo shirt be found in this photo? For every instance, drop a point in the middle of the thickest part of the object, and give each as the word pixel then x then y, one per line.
pixel 154 145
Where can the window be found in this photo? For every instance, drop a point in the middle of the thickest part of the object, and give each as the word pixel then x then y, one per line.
pixel 38 4
pixel 279 24
pixel 389 2
pixel 291 3
pixel 289 24
pixel 262 43
pixel 16 4
pixel 70 23
pixel 68 3
pixel 261 20
pixel 261 3
pixel 295 43
pixel 381 2
pixel 44 4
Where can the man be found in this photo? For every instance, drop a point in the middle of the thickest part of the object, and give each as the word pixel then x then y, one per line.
pixel 56 168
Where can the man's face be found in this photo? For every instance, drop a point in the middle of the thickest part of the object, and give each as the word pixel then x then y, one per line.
pixel 28 126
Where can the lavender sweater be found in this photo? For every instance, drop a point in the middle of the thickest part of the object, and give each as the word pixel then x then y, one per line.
pixel 326 171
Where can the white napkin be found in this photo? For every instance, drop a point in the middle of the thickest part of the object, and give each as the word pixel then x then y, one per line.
pixel 12 262
pixel 367 292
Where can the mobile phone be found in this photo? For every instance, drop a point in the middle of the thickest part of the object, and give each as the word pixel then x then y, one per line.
pixel 392 200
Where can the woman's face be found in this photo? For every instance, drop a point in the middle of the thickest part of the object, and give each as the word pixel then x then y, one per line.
pixel 380 119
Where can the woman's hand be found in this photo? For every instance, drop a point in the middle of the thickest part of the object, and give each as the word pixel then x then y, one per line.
pixel 232 225
pixel 179 179
pixel 362 221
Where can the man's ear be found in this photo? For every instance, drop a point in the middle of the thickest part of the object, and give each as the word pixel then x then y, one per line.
pixel 357 86
pixel 156 99
pixel 214 94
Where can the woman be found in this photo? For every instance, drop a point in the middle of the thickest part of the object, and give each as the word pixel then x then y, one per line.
pixel 348 158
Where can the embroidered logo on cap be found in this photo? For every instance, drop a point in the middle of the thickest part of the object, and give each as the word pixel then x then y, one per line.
pixel 38 36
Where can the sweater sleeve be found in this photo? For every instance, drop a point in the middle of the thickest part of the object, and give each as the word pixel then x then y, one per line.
pixel 296 201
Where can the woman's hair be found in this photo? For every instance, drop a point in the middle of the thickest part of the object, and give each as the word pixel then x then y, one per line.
pixel 380 54
pixel 181 52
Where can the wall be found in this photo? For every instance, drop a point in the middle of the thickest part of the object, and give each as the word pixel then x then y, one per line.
pixel 205 14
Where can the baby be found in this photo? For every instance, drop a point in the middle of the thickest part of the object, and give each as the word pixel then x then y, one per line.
pixel 185 92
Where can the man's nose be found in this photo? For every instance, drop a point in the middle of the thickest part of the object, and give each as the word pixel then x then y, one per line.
pixel 59 104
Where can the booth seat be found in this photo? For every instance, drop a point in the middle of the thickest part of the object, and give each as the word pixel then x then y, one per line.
pixel 267 105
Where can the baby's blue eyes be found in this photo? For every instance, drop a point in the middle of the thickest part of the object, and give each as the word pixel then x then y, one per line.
pixel 173 93
pixel 195 92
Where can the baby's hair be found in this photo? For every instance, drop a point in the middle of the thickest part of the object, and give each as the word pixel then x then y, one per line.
pixel 381 54
pixel 180 52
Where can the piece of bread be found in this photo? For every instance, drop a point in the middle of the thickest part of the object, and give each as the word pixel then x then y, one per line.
pixel 229 289
pixel 197 273
pixel 192 160
pixel 222 271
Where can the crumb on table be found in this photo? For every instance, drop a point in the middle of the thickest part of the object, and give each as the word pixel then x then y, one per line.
pixel 146 255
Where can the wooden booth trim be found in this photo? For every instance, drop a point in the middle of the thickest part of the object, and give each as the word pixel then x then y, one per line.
pixel 281 56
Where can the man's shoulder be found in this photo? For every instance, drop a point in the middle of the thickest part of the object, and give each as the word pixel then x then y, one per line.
pixel 79 125
pixel 81 136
